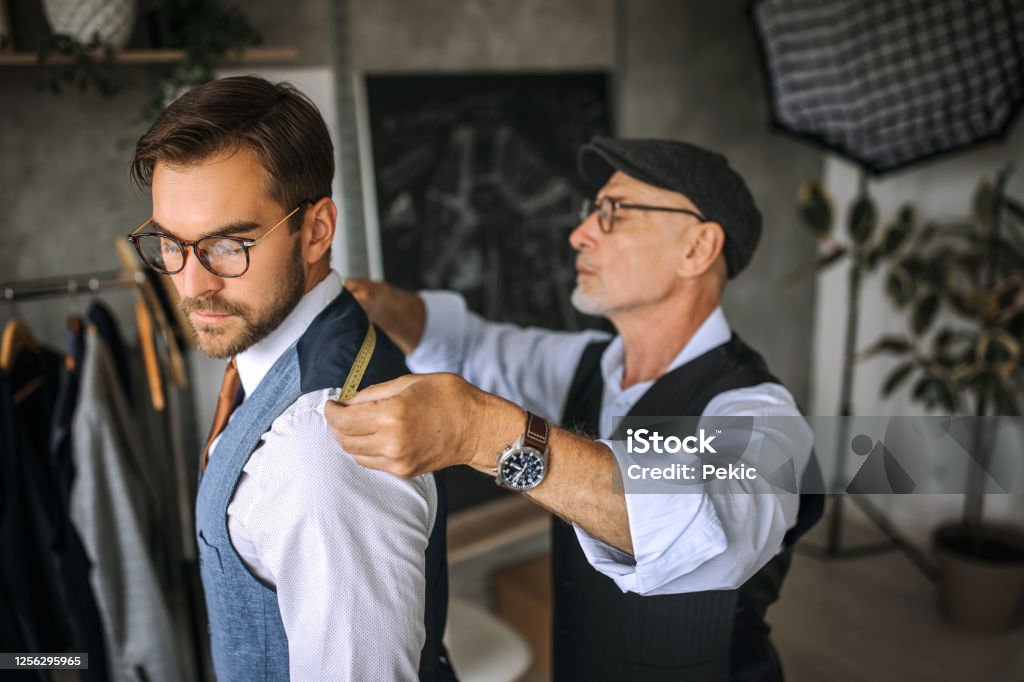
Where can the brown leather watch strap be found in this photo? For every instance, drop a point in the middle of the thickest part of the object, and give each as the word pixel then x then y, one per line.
pixel 536 435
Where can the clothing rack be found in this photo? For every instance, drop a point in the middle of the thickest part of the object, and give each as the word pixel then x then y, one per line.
pixel 68 285
pixel 129 278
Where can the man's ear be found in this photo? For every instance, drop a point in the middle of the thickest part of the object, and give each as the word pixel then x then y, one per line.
pixel 703 247
pixel 318 229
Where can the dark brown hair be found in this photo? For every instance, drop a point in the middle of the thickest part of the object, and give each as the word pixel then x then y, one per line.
pixel 276 122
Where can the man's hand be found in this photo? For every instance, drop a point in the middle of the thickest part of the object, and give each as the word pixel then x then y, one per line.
pixel 401 314
pixel 420 423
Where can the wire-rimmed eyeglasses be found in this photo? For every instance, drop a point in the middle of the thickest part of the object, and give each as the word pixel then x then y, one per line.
pixel 606 208
pixel 222 255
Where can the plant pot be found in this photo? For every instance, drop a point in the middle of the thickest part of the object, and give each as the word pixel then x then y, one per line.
pixel 111 20
pixel 980 587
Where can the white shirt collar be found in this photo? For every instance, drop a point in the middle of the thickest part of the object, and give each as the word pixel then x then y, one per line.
pixel 713 332
pixel 254 363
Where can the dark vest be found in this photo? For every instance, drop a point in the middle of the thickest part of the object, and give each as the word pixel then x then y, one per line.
pixel 248 641
pixel 601 633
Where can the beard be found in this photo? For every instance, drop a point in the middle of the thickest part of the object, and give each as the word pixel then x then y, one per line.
pixel 587 304
pixel 223 343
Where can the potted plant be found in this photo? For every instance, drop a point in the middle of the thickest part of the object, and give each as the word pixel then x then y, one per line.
pixel 862 249
pixel 107 21
pixel 206 31
pixel 817 211
pixel 968 361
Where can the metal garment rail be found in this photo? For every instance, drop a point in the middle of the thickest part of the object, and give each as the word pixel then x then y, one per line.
pixel 68 285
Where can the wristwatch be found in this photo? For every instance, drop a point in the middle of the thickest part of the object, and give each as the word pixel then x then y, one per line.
pixel 522 465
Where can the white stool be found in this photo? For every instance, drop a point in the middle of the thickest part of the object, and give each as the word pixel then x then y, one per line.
pixel 482 647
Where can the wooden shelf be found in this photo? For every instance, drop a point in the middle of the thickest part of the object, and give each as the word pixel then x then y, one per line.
pixel 252 55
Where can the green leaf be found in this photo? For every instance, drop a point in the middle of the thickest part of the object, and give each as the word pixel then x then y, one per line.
pixel 1015 327
pixel 942 342
pixel 915 266
pixel 888 344
pixel 815 207
pixel 998 352
pixel 961 304
pixel 944 395
pixel 896 377
pixel 899 232
pixel 925 313
pixel 922 389
pixel 1010 299
pixel 900 286
pixel 1014 208
pixel 937 389
pixel 863 219
pixel 1005 401
pixel 984 202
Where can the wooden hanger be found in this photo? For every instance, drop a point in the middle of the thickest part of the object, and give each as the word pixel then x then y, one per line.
pixel 148 345
pixel 76 327
pixel 129 259
pixel 17 340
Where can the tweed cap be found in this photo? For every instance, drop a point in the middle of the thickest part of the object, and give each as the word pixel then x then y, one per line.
pixel 703 176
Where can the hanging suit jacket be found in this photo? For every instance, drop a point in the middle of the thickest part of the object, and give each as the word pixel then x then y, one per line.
pixel 114 511
pixel 30 584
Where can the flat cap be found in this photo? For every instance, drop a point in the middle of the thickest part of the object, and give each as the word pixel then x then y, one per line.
pixel 705 177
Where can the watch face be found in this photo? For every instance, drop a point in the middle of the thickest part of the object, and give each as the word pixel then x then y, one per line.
pixel 522 469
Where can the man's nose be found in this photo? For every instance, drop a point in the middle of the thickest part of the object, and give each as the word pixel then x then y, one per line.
pixel 194 280
pixel 586 233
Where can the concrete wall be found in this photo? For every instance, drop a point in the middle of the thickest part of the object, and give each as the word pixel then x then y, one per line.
pixel 397 35
pixel 64 190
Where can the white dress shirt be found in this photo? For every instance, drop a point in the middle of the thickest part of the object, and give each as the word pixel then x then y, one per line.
pixel 343 546
pixel 688 542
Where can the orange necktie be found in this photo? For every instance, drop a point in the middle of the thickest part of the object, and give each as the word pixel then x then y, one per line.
pixel 225 406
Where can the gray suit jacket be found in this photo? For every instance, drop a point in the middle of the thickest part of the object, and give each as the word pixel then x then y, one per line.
pixel 122 506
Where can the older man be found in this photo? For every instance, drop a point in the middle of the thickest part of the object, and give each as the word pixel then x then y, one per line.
pixel 647 586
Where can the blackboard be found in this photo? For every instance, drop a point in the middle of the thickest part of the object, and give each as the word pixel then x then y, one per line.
pixel 477 191
pixel 477 188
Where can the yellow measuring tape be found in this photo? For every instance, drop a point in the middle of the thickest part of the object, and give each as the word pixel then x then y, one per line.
pixel 359 365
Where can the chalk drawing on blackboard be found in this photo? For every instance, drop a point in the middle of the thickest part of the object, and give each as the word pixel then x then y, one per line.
pixel 476 186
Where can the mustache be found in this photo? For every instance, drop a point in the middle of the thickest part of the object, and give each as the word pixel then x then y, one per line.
pixel 212 304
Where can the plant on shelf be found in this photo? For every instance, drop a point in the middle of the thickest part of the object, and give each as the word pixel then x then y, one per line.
pixel 206 32
pixel 962 285
pixel 88 66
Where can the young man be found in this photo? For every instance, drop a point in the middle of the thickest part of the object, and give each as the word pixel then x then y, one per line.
pixel 313 567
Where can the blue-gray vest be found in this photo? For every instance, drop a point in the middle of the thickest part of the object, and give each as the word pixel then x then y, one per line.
pixel 601 633
pixel 247 636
